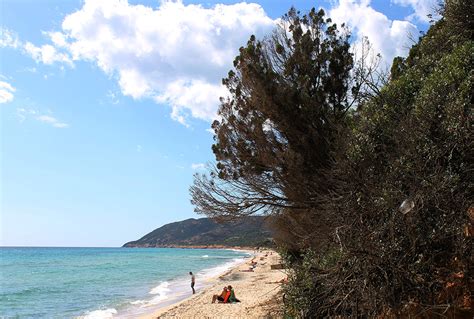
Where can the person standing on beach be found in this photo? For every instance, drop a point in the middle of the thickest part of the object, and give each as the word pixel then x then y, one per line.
pixel 193 281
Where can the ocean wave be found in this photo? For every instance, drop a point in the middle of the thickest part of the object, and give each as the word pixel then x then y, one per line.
pixel 101 314
pixel 220 269
pixel 160 293
pixel 161 290
pixel 247 252
pixel 138 302
pixel 178 288
pixel 213 257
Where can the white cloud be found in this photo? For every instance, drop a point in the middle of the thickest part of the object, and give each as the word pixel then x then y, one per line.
pixel 202 95
pixel 25 113
pixel 388 37
pixel 176 54
pixel 52 121
pixel 422 8
pixel 198 166
pixel 6 92
pixel 46 54
pixel 8 39
pixel 58 38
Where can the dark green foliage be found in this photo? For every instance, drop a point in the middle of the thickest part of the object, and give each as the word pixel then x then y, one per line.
pixel 306 284
pixel 412 142
pixel 290 99
pixel 336 177
pixel 397 68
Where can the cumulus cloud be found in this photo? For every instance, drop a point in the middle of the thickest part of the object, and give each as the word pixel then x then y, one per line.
pixel 422 8
pixel 176 54
pixel 201 95
pixel 388 37
pixel 46 54
pixel 6 92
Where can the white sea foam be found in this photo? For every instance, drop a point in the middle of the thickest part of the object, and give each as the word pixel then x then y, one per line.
pixel 177 289
pixel 216 271
pixel 248 252
pixel 101 314
pixel 161 289
pixel 205 256
pixel 138 302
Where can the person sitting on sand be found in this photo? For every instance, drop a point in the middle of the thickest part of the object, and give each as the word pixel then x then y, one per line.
pixel 220 298
pixel 226 297
pixel 253 265
pixel 232 297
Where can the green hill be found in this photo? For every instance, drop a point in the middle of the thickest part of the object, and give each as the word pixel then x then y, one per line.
pixel 250 231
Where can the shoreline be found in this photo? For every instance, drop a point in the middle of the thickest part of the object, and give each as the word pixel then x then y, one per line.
pixel 257 290
pixel 173 291
pixel 168 292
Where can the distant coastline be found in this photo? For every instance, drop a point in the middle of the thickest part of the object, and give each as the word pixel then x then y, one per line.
pixel 205 233
pixel 244 248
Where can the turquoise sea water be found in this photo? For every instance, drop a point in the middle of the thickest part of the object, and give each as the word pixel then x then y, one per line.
pixel 101 282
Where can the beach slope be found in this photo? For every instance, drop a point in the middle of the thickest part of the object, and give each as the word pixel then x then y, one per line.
pixel 258 291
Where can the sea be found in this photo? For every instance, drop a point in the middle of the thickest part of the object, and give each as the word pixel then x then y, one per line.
pixel 103 282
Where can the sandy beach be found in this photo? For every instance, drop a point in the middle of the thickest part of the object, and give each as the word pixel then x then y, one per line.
pixel 257 291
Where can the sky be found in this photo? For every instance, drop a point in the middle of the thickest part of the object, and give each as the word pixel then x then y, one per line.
pixel 105 106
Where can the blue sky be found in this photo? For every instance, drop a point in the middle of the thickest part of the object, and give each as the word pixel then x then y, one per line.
pixel 105 105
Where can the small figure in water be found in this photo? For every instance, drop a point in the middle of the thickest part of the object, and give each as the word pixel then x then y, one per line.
pixel 193 281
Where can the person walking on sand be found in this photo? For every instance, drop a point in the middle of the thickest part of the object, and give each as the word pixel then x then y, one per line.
pixel 193 281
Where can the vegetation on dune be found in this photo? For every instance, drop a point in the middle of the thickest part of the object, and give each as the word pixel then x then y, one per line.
pixel 367 180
